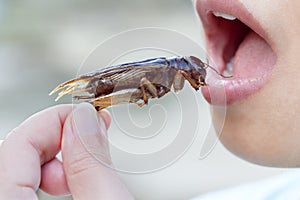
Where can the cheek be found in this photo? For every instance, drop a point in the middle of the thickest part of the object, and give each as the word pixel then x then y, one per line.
pixel 265 128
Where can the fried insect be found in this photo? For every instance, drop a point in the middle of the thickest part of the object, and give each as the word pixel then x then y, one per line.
pixel 136 82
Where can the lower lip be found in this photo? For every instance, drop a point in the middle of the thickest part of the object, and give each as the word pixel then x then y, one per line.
pixel 252 65
pixel 221 91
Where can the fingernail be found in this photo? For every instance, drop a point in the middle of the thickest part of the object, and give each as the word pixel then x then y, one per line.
pixel 87 121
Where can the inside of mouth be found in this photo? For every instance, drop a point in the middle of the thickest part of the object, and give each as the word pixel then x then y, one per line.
pixel 237 51
pixel 231 34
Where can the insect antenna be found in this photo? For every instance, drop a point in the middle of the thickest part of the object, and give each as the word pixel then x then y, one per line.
pixel 208 66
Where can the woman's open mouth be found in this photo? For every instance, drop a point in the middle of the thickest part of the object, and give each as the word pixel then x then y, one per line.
pixel 237 45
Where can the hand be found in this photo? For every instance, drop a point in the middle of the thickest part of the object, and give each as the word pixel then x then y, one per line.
pixel 28 162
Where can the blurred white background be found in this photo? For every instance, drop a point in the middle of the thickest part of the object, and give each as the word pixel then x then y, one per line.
pixel 42 43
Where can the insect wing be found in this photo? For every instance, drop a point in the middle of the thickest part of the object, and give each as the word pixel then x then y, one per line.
pixel 131 70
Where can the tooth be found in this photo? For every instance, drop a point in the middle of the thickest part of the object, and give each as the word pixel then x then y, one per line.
pixel 225 16
pixel 229 68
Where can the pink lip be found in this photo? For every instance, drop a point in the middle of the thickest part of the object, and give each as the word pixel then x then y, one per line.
pixel 225 91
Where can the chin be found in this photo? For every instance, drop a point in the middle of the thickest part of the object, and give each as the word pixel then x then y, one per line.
pixel 258 133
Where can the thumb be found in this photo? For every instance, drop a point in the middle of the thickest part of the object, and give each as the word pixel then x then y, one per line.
pixel 86 157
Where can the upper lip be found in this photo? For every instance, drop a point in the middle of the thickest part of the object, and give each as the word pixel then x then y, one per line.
pixel 235 9
pixel 205 9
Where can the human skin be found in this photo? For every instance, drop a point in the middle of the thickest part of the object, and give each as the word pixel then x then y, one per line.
pixel 28 162
pixel 264 127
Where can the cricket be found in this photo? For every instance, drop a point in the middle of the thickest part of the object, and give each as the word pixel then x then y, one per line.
pixel 136 82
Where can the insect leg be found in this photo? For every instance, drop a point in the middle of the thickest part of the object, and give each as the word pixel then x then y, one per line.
pixel 178 82
pixel 147 86
pixel 119 97
pixel 84 97
pixel 189 79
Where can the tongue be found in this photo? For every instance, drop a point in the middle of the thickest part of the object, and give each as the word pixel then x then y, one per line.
pixel 253 58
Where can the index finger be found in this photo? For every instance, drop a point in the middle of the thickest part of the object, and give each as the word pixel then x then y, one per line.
pixel 30 145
